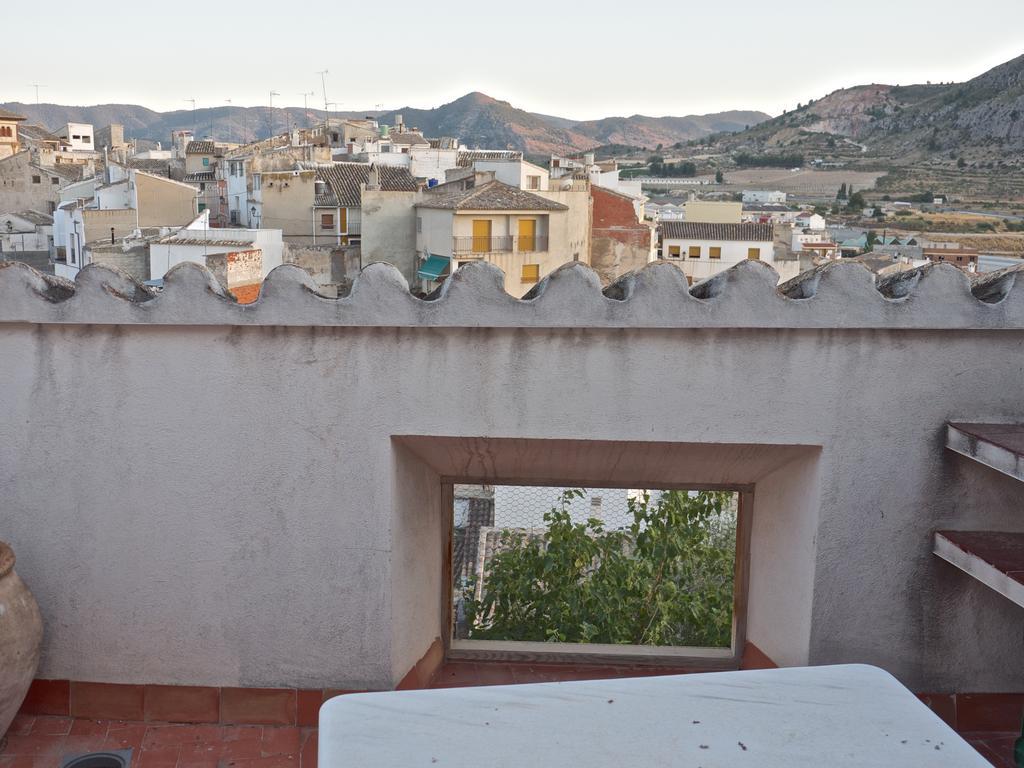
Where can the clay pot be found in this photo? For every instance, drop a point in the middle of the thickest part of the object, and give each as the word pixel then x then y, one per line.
pixel 21 637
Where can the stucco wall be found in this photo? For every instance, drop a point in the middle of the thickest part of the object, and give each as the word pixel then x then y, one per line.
pixel 389 229
pixel 261 527
pixel 163 202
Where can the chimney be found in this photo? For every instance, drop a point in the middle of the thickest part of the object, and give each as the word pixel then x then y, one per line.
pixel 373 181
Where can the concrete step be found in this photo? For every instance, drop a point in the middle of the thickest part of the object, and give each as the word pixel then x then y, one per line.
pixel 1000 446
pixel 995 558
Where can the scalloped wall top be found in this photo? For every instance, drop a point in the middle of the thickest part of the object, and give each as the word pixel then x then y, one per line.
pixel 834 295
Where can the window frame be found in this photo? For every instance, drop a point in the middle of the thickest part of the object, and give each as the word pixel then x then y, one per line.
pixel 532 279
pixel 327 221
pixel 754 254
pixel 693 252
pixel 584 653
pixel 715 252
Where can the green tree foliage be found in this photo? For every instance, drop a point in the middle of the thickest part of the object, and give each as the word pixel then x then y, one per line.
pixel 658 167
pixel 719 176
pixel 841 194
pixel 749 159
pixel 666 579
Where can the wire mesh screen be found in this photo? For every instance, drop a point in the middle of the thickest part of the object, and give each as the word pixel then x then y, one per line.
pixel 593 565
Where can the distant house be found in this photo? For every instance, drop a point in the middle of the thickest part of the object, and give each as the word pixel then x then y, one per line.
pixel 201 159
pixel 702 249
pixel 319 203
pixel 79 136
pixel 763 196
pixel 810 220
pixel 769 213
pixel 521 232
pixel 239 258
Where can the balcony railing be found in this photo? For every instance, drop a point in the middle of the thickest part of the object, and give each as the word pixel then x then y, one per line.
pixel 502 244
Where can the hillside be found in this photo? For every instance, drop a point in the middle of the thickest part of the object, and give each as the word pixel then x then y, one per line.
pixel 981 120
pixel 477 119
pixel 481 121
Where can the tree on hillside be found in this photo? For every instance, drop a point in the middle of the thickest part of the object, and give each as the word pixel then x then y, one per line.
pixel 841 194
pixel 719 176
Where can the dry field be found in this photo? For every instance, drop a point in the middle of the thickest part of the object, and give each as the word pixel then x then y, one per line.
pixel 804 182
pixel 1007 243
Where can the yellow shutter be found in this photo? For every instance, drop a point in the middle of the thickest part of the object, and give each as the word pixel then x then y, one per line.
pixel 714 252
pixel 527 234
pixel 753 253
pixel 481 235
pixel 531 273
pixel 694 251
pixel 673 251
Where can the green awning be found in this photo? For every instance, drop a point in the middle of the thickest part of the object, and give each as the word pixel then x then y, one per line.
pixel 434 267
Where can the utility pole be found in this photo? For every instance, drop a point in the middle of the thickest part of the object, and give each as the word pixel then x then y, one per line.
pixel 272 95
pixel 37 86
pixel 323 84
pixel 305 106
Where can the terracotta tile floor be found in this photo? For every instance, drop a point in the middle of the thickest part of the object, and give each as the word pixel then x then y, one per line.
pixel 41 742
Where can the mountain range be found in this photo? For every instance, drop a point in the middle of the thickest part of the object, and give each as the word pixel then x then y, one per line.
pixel 477 119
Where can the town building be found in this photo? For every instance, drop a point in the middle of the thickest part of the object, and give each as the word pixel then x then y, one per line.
pixel 9 142
pixel 482 219
pixel 702 249
pixel 128 201
pixel 621 240
pixel 28 185
pixel 319 203
pixel 79 136
pixel 201 161
pixel 713 211
pixel 239 258
pixel 769 213
pixel 27 236
pixel 764 196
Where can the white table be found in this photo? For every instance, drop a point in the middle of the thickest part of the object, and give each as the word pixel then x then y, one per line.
pixel 849 715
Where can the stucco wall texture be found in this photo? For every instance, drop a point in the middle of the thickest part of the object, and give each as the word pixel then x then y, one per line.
pixel 206 493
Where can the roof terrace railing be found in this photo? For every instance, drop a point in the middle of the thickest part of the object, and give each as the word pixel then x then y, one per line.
pixel 501 244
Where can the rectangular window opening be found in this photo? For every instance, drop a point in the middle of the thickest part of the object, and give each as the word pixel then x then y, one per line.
pixel 643 574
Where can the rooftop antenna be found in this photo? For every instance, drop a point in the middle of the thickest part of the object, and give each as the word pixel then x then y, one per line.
pixel 305 106
pixel 323 84
pixel 193 103
pixel 37 86
pixel 272 95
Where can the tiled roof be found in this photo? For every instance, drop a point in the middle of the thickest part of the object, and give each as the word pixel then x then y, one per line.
pixel 344 180
pixel 37 133
pixel 779 207
pixel 200 178
pixel 5 115
pixel 144 164
pixel 408 138
pixel 492 196
pixel 34 217
pixel 68 171
pixel 469 156
pixel 703 230
pixel 199 148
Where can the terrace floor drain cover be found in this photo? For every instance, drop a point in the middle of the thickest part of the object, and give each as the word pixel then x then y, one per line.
pixel 119 758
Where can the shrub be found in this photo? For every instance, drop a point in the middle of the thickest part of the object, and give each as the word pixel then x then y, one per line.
pixel 666 579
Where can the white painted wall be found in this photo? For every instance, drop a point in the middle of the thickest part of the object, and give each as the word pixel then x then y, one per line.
pixel 763 196
pixel 248 538
pixel 80 135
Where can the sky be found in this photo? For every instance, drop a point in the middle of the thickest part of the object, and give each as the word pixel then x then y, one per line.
pixel 571 59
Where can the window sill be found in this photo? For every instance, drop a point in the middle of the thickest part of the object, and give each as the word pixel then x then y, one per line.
pixel 593 653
